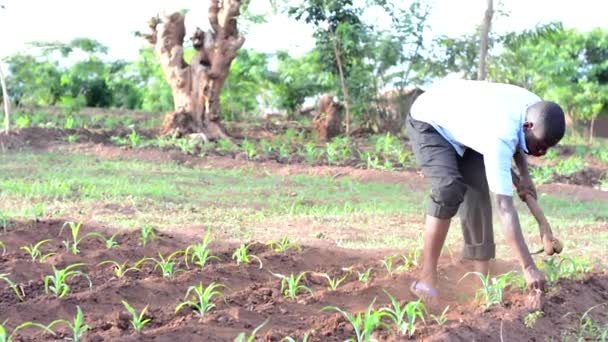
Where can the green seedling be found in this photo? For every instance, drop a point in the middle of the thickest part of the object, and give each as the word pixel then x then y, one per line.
pixel 290 286
pixel 167 266
pixel 3 246
pixel 364 276
pixel 589 329
pixel 389 264
pixel 405 316
pixel 242 256
pixel 138 321
pixel 531 318
pixel 72 246
pixel 78 327
pixel 121 269
pixel 57 282
pixel 6 337
pixel 4 221
pixel 242 337
pixel 364 324
pixel 35 252
pixel 291 339
pixel 200 254
pixel 134 138
pixel 16 289
pixel 250 149
pixel 201 298
pixel 574 267
pixel 110 242
pixel 551 268
pixel 147 235
pixel 441 319
pixel 333 283
pixel 492 289
pixel 283 246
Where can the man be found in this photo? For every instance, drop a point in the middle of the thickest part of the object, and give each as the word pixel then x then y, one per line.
pixel 465 135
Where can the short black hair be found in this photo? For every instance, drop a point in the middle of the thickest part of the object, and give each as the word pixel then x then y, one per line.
pixel 549 120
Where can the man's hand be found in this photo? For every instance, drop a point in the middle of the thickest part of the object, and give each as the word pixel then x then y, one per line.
pixel 526 188
pixel 535 278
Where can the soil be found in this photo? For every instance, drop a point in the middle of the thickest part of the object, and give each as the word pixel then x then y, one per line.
pixel 252 295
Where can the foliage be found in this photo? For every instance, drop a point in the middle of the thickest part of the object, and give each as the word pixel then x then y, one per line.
pixel 72 246
pixel 364 324
pixel 200 252
pixel 18 291
pixel 167 266
pixel 138 320
pixel 6 337
pixel 364 276
pixel 147 234
pixel 492 288
pixel 291 286
pixel 242 256
pixel 405 316
pixel 283 245
pixel 78 327
pixel 531 318
pixel 57 282
pixel 333 283
pixel 35 252
pixel 201 298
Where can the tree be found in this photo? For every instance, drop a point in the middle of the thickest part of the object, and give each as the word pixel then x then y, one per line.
pixel 484 40
pixel 6 100
pixel 338 28
pixel 197 85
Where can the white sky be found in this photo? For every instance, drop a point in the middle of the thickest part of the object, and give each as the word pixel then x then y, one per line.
pixel 112 22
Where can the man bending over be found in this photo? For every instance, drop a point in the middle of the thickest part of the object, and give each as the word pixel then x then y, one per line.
pixel 465 135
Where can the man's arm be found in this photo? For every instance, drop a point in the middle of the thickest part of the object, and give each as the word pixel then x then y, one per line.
pixel 512 230
pixel 526 186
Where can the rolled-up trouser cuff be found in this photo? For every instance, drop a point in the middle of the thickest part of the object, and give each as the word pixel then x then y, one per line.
pixel 441 211
pixel 479 252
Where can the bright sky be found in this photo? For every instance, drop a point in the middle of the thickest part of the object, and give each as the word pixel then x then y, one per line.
pixel 112 22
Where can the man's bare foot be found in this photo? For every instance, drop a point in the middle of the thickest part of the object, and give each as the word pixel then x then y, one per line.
pixel 427 293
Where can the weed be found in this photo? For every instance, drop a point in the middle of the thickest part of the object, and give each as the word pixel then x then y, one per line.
pixel 531 318
pixel 72 246
pixel 134 138
pixel 147 235
pixel 57 282
pixel 372 161
pixel 250 149
pixel 6 337
pixel 69 122
pixel 120 269
pixel 492 289
pixel 589 329
pixel 283 245
pixel 311 153
pixel 38 211
pixel 364 276
pixel 290 286
pixel 23 121
pixel 200 253
pixel 4 221
pixel 441 319
pixel 78 326
pixel 242 256
pixel 72 138
pixel 333 282
pixel 16 289
pixel 242 337
pixel 3 246
pixel 200 301
pixel 226 146
pixel 564 267
pixel 405 316
pixel 364 324
pixel 266 147
pixel 388 264
pixel 138 321
pixel 167 266
pixel 35 252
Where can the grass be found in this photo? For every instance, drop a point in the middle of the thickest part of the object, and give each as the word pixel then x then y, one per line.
pixel 251 201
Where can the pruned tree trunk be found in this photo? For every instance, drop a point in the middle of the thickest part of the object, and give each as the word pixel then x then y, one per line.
pixel 196 86
pixel 484 41
pixel 342 82
pixel 7 103
pixel 328 121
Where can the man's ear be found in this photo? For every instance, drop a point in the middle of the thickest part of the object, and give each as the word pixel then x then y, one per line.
pixel 528 125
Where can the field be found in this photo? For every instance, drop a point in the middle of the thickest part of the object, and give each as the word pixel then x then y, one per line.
pixel 253 215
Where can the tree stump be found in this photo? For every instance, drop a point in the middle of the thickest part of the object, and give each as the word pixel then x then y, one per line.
pixel 328 121
pixel 197 86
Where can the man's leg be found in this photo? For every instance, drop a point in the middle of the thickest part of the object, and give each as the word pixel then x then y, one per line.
pixel 476 213
pixel 439 163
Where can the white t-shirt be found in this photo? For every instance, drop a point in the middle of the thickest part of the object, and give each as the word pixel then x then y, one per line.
pixel 486 117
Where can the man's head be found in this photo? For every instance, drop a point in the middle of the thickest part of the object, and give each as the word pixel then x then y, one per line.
pixel 544 127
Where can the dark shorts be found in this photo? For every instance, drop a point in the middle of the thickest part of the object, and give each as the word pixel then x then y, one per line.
pixel 457 183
